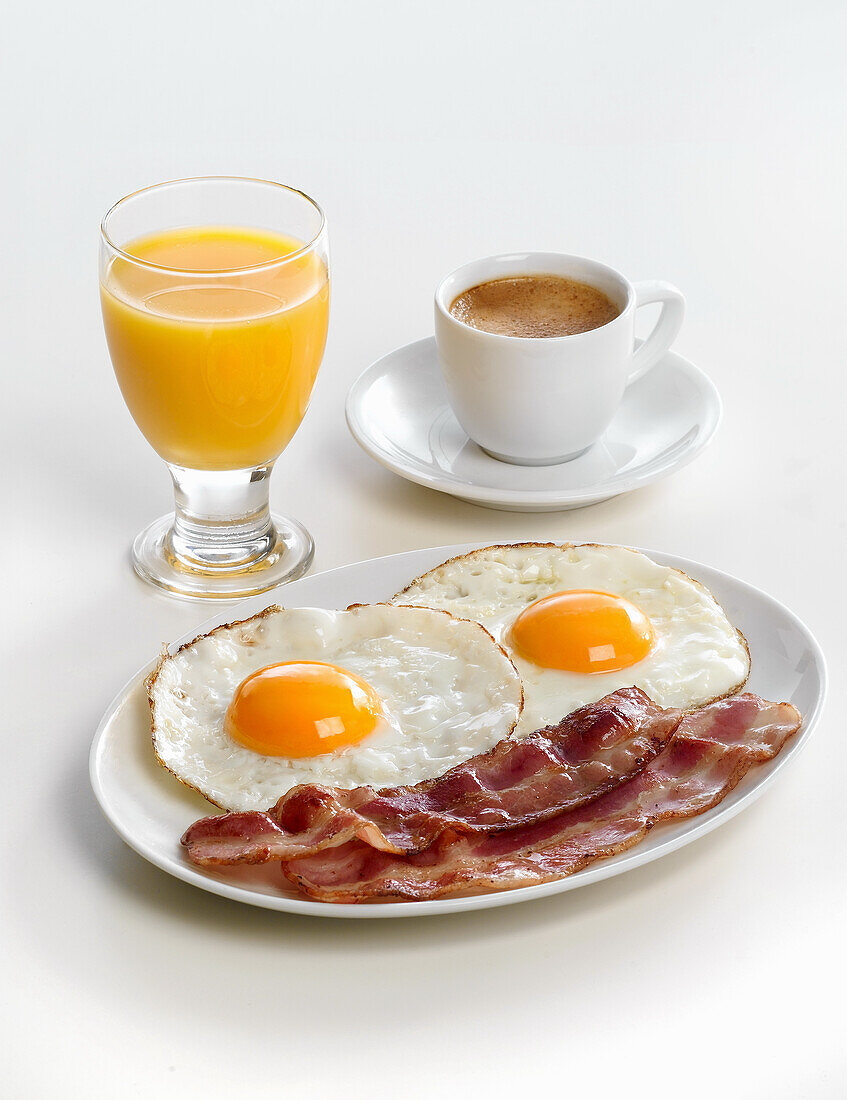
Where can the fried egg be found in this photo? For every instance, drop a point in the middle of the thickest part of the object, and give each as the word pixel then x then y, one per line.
pixel 581 621
pixel 375 695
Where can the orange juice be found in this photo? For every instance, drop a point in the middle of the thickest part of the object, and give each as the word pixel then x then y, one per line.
pixel 216 340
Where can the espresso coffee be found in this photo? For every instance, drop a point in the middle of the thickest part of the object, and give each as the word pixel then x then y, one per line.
pixel 534 305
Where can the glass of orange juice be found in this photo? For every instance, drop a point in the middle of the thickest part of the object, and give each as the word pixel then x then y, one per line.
pixel 215 299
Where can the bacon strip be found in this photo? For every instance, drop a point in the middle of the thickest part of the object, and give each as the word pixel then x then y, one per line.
pixel 592 751
pixel 712 751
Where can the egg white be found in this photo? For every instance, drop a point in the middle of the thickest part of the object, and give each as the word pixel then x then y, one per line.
pixel 448 692
pixel 698 654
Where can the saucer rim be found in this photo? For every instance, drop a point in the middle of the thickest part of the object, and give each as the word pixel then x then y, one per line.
pixel 712 404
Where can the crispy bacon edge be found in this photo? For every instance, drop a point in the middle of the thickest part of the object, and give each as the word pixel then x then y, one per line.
pixel 590 752
pixel 711 752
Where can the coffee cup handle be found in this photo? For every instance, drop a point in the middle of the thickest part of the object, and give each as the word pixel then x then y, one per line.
pixel 666 328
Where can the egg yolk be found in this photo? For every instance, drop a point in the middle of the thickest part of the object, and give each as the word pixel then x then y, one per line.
pixel 302 708
pixel 582 631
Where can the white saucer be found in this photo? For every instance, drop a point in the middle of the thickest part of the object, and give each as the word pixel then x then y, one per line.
pixel 398 412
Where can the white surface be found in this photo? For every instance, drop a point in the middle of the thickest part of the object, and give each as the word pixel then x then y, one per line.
pixel 151 811
pixel 535 402
pixel 398 412
pixel 704 143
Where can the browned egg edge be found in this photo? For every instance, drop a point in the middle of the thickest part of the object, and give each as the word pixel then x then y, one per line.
pixel 165 656
pixel 471 554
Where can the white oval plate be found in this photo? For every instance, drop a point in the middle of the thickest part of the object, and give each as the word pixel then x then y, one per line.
pixel 150 810
pixel 398 412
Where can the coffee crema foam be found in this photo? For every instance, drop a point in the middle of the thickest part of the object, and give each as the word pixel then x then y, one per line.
pixel 534 306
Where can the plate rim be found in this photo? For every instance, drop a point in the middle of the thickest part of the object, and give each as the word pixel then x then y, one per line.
pixel 485 495
pixel 596 872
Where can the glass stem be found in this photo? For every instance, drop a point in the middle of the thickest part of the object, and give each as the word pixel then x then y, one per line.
pixel 223 519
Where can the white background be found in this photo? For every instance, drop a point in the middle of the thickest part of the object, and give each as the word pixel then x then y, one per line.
pixel 700 143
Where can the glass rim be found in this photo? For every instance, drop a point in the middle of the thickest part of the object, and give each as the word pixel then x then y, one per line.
pixel 285 258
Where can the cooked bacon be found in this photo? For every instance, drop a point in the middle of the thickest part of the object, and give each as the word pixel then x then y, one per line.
pixel 590 752
pixel 711 752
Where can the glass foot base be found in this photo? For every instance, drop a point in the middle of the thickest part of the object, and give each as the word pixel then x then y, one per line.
pixel 154 560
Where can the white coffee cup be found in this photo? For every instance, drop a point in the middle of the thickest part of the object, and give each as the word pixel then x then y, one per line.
pixel 541 400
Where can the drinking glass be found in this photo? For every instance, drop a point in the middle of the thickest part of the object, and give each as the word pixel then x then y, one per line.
pixel 215 299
